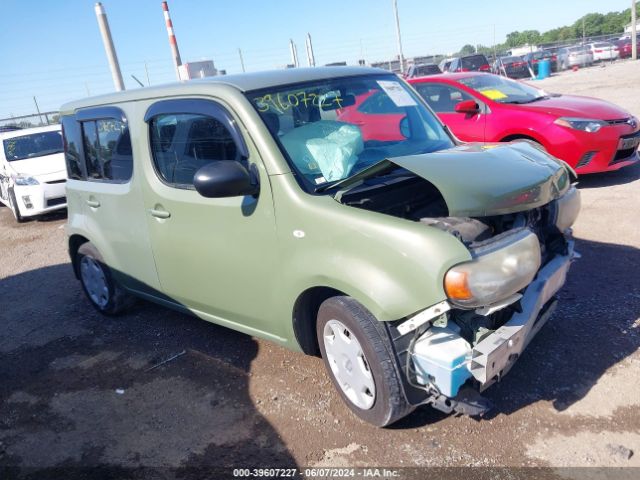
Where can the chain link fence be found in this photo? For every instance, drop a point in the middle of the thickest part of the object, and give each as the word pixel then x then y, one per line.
pixel 28 121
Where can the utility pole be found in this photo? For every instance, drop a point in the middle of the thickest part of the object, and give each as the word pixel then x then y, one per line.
pixel 495 53
pixel 634 36
pixel 146 71
pixel 583 32
pixel 103 24
pixel 38 110
pixel 311 59
pixel 177 61
pixel 294 53
pixel 241 60
pixel 400 54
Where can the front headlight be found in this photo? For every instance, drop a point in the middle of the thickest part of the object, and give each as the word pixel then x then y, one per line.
pixel 568 208
pixel 24 180
pixel 584 124
pixel 507 267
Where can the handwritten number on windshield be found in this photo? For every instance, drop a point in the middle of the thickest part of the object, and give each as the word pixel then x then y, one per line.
pixel 282 103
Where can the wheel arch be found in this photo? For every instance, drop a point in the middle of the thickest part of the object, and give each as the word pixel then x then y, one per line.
pixel 305 316
pixel 75 241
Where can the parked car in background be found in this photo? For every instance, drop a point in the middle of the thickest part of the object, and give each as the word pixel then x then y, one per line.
pixel 534 58
pixel 470 63
pixel 589 134
pixel 419 269
pixel 604 51
pixel 444 64
pixel 32 171
pixel 624 47
pixel 422 70
pixel 570 57
pixel 512 67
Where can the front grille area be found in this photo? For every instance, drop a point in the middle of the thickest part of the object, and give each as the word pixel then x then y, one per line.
pixel 586 158
pixel 619 121
pixel 622 155
pixel 56 201
pixel 53 182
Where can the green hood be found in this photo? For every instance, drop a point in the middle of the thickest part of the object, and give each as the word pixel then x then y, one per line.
pixel 478 180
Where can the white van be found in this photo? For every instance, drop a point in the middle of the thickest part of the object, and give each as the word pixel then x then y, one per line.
pixel 33 173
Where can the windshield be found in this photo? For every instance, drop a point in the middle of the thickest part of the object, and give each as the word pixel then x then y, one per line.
pixel 34 145
pixel 332 129
pixel 503 90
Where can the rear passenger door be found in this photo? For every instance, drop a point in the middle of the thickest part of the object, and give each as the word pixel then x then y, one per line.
pixel 104 195
pixel 443 98
pixel 216 257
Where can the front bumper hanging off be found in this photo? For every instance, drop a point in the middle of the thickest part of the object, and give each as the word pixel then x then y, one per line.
pixel 494 356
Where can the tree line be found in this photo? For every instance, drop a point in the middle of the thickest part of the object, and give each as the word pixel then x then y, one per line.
pixel 590 25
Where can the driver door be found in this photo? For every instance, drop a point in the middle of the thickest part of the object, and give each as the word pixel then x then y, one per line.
pixel 443 98
pixel 214 256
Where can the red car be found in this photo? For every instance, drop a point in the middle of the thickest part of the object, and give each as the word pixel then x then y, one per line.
pixel 624 47
pixel 589 134
pixel 374 125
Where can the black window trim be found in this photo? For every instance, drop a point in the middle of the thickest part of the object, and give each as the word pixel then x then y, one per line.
pixel 194 106
pixel 93 114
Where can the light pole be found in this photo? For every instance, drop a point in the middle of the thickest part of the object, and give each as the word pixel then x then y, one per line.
pixel 634 37
pixel 400 54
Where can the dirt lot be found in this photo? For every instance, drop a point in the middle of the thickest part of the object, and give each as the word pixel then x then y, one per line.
pixel 76 389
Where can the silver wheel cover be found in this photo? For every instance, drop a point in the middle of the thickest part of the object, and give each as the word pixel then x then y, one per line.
pixel 94 281
pixel 349 364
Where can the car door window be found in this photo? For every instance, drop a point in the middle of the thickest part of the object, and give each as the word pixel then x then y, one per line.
pixel 181 143
pixel 107 149
pixel 441 98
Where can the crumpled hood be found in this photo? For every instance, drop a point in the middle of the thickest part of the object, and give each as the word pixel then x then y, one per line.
pixel 478 180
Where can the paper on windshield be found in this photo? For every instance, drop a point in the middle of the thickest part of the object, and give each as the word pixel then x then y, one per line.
pixel 398 95
pixel 493 94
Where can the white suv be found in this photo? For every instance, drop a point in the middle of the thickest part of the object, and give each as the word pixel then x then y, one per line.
pixel 33 173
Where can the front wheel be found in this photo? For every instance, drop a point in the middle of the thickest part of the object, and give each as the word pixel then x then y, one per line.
pixel 98 284
pixel 357 354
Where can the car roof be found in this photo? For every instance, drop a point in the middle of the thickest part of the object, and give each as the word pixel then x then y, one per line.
pixel 450 77
pixel 244 82
pixel 28 131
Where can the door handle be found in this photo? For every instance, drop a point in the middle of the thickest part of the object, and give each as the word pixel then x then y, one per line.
pixel 159 213
pixel 93 203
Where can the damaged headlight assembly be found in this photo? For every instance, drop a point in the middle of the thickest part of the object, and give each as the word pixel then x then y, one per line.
pixel 497 271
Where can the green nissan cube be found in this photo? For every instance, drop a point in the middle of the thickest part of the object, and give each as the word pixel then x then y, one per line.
pixel 330 211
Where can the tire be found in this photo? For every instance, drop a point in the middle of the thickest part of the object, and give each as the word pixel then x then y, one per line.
pixel 13 205
pixel 368 363
pixel 98 284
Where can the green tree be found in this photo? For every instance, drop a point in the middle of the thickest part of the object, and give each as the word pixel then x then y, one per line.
pixel 467 50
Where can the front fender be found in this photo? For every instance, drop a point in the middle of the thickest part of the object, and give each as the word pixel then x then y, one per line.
pixel 394 267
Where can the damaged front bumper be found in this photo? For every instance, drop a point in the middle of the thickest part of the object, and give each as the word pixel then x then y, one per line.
pixel 494 356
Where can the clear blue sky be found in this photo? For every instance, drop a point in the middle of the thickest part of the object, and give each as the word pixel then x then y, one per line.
pixel 53 50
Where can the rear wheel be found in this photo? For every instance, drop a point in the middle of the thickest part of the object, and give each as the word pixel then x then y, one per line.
pixel 98 284
pixel 13 205
pixel 357 354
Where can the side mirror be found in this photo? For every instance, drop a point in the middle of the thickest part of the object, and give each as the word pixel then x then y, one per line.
pixel 225 178
pixel 467 106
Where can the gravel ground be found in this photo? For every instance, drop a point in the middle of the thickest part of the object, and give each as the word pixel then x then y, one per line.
pixel 76 389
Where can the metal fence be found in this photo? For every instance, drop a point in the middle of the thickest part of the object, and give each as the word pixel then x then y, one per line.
pixel 393 64
pixel 34 120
